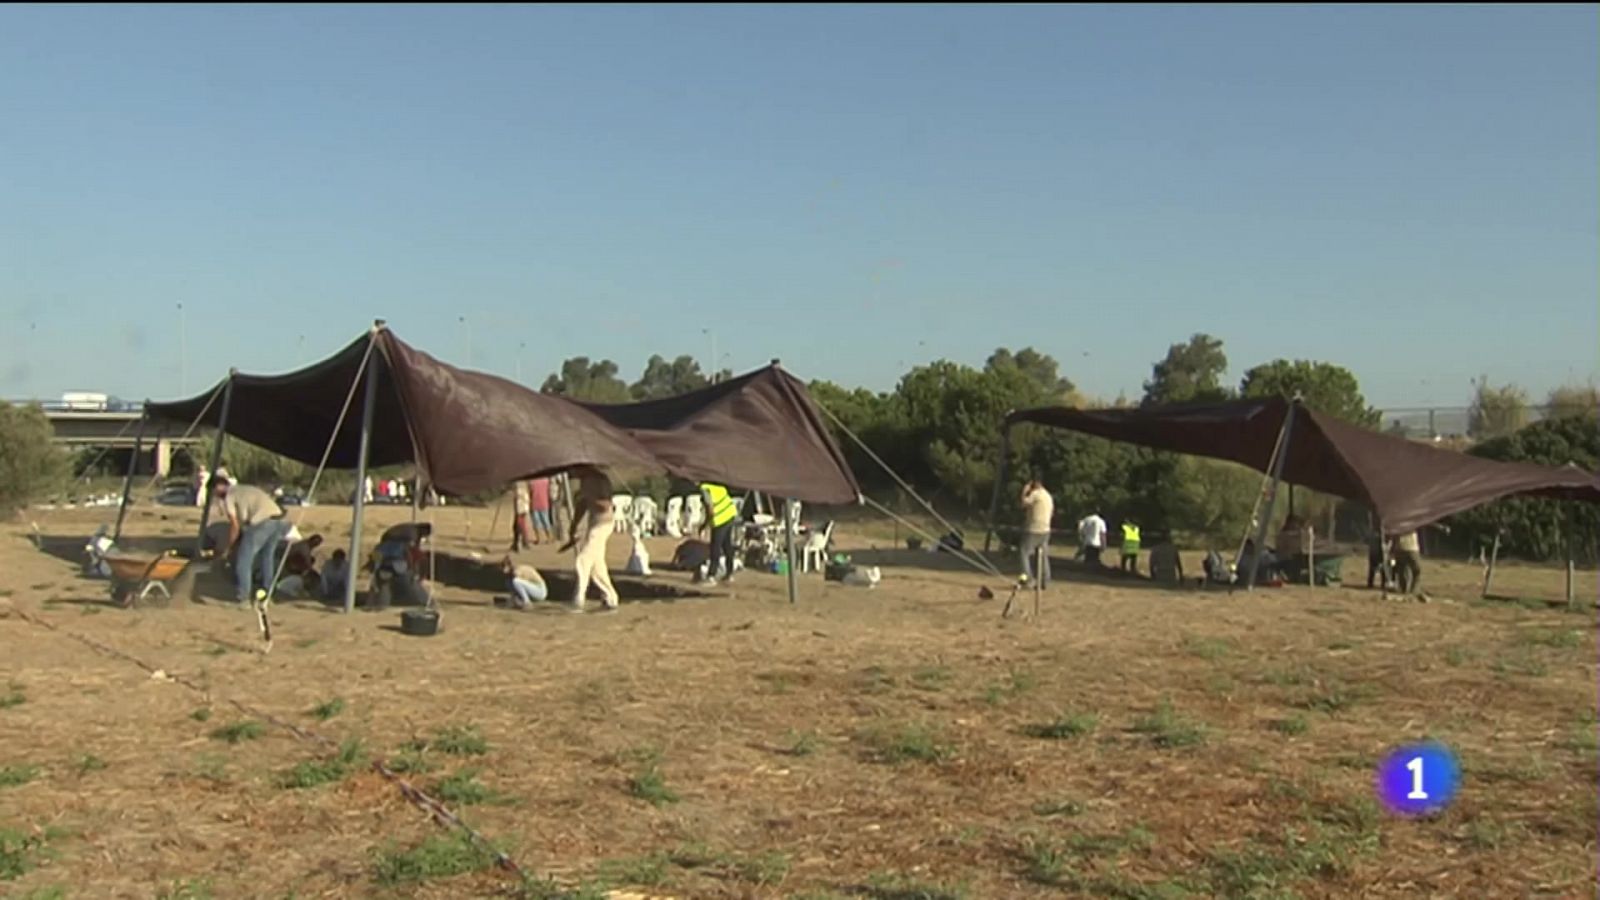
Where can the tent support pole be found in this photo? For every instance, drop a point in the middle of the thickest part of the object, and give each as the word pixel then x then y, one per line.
pixel 789 526
pixel 1387 573
pixel 367 403
pixel 1272 496
pixel 127 482
pixel 1488 573
pixel 216 462
pixel 999 482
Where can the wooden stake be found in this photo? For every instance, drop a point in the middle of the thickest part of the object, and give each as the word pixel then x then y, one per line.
pixel 1488 572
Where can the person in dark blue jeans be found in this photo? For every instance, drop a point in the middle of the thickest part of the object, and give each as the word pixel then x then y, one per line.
pixel 256 527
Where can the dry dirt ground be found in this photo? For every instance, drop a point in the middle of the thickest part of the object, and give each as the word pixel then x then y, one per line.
pixel 897 742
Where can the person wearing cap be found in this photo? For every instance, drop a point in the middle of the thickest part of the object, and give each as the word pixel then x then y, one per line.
pixel 256 527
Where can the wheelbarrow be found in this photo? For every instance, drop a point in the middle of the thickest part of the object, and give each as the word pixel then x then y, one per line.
pixel 135 577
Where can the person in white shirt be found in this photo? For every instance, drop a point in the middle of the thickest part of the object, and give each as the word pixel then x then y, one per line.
pixel 1091 538
pixel 1038 508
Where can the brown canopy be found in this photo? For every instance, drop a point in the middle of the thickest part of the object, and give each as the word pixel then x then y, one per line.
pixel 469 431
pixel 1408 484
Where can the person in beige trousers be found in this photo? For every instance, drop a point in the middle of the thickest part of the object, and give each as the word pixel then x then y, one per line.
pixel 593 502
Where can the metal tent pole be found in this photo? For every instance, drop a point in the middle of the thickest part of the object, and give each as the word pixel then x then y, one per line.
pixel 999 483
pixel 1272 495
pixel 216 461
pixel 1488 572
pixel 127 483
pixel 788 534
pixel 367 403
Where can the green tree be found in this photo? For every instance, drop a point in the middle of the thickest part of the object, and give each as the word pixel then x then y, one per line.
pixel 31 465
pixel 1324 387
pixel 1534 527
pixel 1191 373
pixel 1039 369
pixel 668 379
pixel 1573 401
pixel 595 382
pixel 1496 411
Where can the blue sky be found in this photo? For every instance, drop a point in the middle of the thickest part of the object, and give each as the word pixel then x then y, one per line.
pixel 1409 191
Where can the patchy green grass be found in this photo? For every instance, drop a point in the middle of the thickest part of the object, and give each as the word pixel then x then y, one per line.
pixel 930 678
pixel 1166 728
pixel 1456 657
pixel 1052 808
pixel 641 871
pixel 762 869
pixel 238 731
pixel 187 889
pixel 776 683
pixel 305 643
pixel 908 743
pixel 1293 725
pixel 465 789
pixel 801 743
pixel 13 697
pixel 1291 677
pixel 1331 696
pixel 900 886
pixel 1555 638
pixel 87 763
pixel 21 852
pixel 48 892
pixel 438 856
pixel 647 783
pixel 1065 726
pixel 874 680
pixel 1016 684
pixel 328 709
pixel 315 773
pixel 212 767
pixel 458 740
pixel 1490 834
pixel 1207 648
pixel 1521 663
pixel 203 714
pixel 16 776
pixel 215 650
pixel 411 761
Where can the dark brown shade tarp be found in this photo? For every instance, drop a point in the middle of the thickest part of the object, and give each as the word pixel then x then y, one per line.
pixel 470 431
pixel 1407 483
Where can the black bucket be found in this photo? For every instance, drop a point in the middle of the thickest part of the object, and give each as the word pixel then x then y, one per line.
pixel 420 622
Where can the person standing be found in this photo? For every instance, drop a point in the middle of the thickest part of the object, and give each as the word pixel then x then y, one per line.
pixel 593 503
pixel 1408 562
pixel 724 514
pixel 1092 538
pixel 1375 572
pixel 1038 507
pixel 256 527
pixel 520 505
pixel 201 477
pixel 1130 547
pixel 539 509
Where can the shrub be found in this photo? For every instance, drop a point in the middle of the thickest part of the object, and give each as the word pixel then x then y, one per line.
pixel 31 466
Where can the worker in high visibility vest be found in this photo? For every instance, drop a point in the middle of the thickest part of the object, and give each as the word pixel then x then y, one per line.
pixel 722 513
pixel 1130 547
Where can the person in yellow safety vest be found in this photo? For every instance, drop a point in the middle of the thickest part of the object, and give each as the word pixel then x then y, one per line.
pixel 1130 547
pixel 722 513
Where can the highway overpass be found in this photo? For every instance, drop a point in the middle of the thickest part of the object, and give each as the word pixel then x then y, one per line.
pixel 118 429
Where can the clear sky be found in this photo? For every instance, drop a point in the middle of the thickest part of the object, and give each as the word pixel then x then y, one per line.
pixel 1413 192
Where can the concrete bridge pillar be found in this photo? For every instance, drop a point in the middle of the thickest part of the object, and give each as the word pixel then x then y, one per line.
pixel 163 459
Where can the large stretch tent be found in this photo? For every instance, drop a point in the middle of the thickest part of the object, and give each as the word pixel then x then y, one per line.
pixel 1406 483
pixel 469 431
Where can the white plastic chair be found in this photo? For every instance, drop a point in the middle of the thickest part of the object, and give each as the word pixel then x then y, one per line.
pixel 675 517
pixel 816 548
pixel 622 511
pixel 644 515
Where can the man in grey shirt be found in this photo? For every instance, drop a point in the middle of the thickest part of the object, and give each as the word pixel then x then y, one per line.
pixel 256 527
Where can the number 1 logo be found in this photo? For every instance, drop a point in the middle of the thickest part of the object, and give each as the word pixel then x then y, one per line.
pixel 1417 793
